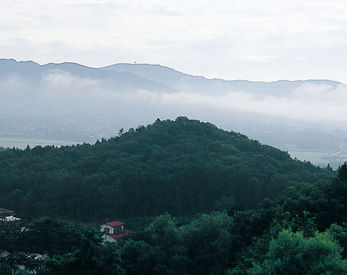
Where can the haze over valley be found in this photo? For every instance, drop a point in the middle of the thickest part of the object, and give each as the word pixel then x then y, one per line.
pixel 70 103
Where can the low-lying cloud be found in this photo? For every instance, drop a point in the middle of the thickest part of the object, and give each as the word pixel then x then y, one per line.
pixel 62 80
pixel 309 103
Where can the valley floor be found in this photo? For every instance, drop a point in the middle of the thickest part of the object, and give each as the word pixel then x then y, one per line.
pixel 21 143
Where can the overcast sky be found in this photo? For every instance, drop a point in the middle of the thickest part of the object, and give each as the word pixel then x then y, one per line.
pixel 231 39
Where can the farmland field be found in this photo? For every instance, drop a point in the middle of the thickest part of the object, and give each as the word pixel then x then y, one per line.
pixel 22 143
pixel 320 158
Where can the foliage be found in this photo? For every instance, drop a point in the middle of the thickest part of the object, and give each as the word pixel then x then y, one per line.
pixel 54 247
pixel 209 243
pixel 339 232
pixel 292 253
pixel 342 172
pixel 326 201
pixel 183 167
pixel 161 242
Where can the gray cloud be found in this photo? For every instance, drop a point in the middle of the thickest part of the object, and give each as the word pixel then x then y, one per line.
pixel 263 40
pixel 311 103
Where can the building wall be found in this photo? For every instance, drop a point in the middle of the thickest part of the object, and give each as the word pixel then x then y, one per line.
pixel 108 239
pixel 106 228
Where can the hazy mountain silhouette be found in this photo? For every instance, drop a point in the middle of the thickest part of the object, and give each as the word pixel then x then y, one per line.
pixel 69 101
pixel 179 81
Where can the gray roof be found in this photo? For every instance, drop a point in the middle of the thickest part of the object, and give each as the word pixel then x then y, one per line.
pixel 5 212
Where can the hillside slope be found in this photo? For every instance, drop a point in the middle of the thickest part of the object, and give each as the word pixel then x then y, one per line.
pixel 182 166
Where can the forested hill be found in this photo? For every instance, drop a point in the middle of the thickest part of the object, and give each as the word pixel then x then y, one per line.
pixel 182 167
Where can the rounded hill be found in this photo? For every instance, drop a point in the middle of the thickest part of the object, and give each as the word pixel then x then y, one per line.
pixel 182 167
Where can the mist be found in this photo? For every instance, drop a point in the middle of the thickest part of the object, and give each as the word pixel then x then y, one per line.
pixel 70 102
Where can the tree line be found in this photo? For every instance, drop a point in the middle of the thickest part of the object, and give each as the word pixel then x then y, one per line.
pixel 182 167
pixel 294 233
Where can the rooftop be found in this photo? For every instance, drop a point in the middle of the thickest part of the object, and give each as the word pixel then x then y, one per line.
pixel 115 223
pixel 5 212
pixel 119 235
pixel 9 219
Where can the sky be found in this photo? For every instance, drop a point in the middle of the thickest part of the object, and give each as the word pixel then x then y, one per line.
pixel 231 39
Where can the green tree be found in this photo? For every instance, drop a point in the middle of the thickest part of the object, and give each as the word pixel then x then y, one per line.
pixel 342 172
pixel 157 249
pixel 292 253
pixel 339 232
pixel 209 243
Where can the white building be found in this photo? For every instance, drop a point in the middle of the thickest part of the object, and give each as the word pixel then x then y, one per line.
pixel 113 231
pixel 7 215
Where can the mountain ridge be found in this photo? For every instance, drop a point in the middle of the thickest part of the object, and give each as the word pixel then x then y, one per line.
pixel 162 67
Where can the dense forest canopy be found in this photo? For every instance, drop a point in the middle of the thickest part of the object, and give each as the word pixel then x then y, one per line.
pixel 182 167
pixel 265 213
pixel 274 238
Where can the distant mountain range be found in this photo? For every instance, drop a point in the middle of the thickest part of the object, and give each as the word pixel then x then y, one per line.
pixel 72 102
pixel 184 82
pixel 34 72
pixel 126 76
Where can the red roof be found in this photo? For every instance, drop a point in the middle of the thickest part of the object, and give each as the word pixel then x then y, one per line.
pixel 115 223
pixel 120 235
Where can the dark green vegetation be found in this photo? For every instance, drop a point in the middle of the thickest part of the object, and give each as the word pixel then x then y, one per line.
pixel 182 167
pixel 276 215
pixel 275 238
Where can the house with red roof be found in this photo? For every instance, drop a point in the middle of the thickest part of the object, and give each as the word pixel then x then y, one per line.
pixel 113 231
